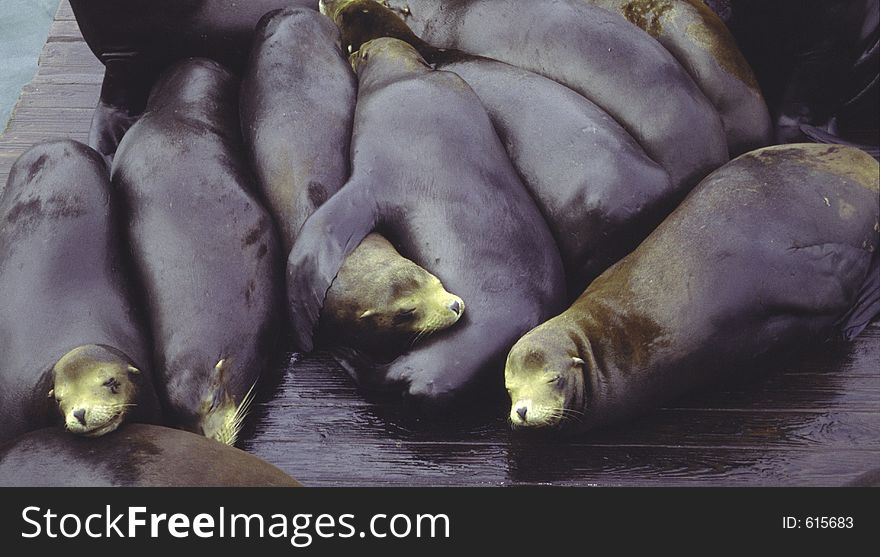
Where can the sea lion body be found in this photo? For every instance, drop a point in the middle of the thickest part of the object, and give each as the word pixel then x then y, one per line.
pixel 137 39
pixel 597 54
pixel 135 456
pixel 63 291
pixel 206 251
pixel 452 202
pixel 701 43
pixel 597 189
pixel 297 107
pixel 777 247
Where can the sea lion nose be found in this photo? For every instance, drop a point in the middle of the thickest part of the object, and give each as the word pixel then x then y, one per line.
pixel 455 306
pixel 521 412
pixel 80 415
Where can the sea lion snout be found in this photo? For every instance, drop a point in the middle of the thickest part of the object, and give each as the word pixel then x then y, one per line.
pixel 519 412
pixel 456 307
pixel 80 415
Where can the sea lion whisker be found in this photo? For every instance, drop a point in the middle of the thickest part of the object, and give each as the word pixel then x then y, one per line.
pixel 228 434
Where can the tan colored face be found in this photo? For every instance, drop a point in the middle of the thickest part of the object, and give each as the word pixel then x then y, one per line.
pixel 220 416
pixel 413 306
pixel 378 294
pixel 545 385
pixel 95 388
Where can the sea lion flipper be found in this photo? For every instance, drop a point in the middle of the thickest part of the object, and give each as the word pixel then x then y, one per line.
pixel 867 305
pixel 324 241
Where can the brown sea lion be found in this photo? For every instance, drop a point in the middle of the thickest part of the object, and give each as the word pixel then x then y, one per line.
pixel 69 328
pixel 776 248
pixel 205 250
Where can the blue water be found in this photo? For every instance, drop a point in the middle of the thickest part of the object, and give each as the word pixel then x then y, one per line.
pixel 24 26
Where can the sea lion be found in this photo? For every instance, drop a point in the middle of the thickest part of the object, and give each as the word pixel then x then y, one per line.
pixel 452 202
pixel 68 328
pixel 596 53
pixel 135 456
pixel 205 250
pixel 297 106
pixel 699 40
pixel 137 39
pixel 775 248
pixel 597 189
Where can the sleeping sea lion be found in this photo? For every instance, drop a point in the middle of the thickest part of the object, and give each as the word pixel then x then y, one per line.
pixel 205 250
pixel 297 106
pixel 776 248
pixel 68 327
pixel 429 173
pixel 596 53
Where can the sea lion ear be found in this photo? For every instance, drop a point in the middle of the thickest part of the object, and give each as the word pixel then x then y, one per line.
pixel 51 393
pixel 133 370
pixel 366 314
pixel 577 361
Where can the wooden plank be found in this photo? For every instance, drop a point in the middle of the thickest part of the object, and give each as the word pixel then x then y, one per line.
pixel 50 95
pixel 64 30
pixel 442 464
pixel 50 120
pixel 73 55
pixel 65 12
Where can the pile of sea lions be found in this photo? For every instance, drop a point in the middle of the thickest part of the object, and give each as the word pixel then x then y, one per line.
pixel 435 192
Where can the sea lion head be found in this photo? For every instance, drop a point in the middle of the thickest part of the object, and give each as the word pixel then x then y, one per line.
pixel 388 58
pixel 381 297
pixel 210 399
pixel 219 416
pixel 363 20
pixel 95 387
pixel 544 377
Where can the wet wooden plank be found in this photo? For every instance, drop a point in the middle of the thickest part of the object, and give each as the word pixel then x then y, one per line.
pixel 317 425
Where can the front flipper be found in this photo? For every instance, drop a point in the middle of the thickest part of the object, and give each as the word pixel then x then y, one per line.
pixel 323 243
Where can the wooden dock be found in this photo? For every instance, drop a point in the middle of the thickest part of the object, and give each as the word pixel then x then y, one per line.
pixel 814 419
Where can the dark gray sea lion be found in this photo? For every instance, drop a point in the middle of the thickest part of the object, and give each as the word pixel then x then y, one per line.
pixel 698 39
pixel 597 189
pixel 297 107
pixel 452 202
pixel 599 55
pixel 70 338
pixel 206 252
pixel 137 39
pixel 778 247
pixel 135 456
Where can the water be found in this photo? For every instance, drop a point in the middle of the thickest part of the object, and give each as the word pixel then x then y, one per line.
pixel 24 26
